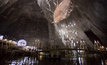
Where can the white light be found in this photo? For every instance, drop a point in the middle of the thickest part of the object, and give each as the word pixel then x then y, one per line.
pixel 77 42
pixel 81 51
pixel 78 50
pixel 30 47
pixel 63 25
pixel 64 32
pixel 98 49
pixel 79 60
pixel 71 41
pixel 67 36
pixel 106 48
pixel 74 24
pixel 102 62
pixel 10 40
pixel 1 37
pixel 95 42
pixel 66 26
pixel 74 44
pixel 83 41
pixel 76 33
pixel 39 49
pixel 22 42
pixel 14 42
pixel 5 39
pixel 73 38
pixel 72 31
pixel 80 41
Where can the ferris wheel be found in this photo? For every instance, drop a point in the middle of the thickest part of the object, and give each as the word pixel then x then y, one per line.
pixel 22 42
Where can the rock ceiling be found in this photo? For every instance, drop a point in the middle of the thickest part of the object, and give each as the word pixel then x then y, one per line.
pixel 29 19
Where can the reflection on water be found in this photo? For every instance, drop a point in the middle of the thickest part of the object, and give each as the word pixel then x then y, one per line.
pixel 23 60
pixel 46 61
pixel 106 62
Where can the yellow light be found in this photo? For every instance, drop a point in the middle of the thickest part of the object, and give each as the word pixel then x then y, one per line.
pixel 41 52
pixel 106 62
pixel 102 46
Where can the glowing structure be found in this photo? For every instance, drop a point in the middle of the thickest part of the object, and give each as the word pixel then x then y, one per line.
pixel 62 10
pixel 30 48
pixel 5 39
pixel 96 45
pixel 37 43
pixel 1 37
pixel 22 42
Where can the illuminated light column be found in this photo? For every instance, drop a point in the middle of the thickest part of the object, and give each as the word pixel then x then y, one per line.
pixel 81 44
pixel 52 44
pixel 77 44
pixel 68 43
pixel 6 47
pixel 1 38
pixel 10 41
pixel 84 45
pixel 95 45
pixel 72 45
pixel 98 46
pixel 37 43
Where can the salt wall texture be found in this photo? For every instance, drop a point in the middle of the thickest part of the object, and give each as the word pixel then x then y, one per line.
pixel 87 16
pixel 23 19
pixel 33 19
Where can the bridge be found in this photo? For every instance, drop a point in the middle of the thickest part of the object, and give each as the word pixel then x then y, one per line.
pixel 9 46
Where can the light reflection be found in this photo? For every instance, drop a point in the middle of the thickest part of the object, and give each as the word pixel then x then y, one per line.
pixel 66 26
pixel 77 42
pixel 34 61
pixel 40 57
pixel 106 62
pixel 102 62
pixel 74 44
pixel 1 37
pixel 81 60
pixel 74 24
pixel 71 41
pixel 25 60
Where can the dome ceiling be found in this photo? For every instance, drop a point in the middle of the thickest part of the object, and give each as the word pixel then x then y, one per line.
pixel 23 19
pixel 33 19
